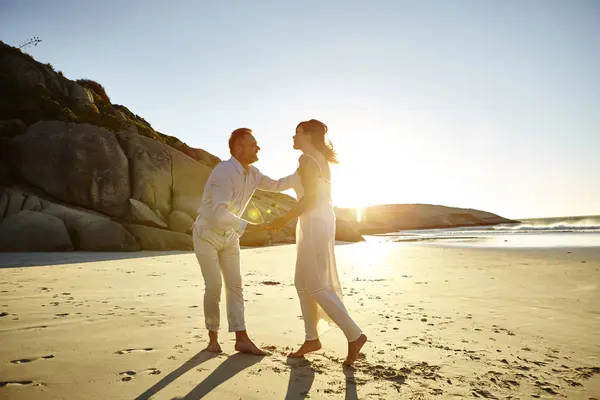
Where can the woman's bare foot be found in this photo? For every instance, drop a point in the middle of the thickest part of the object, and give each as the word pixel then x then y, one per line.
pixel 247 346
pixel 354 349
pixel 308 347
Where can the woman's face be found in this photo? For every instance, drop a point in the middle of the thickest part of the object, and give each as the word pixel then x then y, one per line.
pixel 301 139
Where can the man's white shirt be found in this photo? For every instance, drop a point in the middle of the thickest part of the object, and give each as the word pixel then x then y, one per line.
pixel 228 191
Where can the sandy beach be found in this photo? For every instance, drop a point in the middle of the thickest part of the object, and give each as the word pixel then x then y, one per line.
pixel 442 321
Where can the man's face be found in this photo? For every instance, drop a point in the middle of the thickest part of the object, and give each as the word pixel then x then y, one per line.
pixel 248 149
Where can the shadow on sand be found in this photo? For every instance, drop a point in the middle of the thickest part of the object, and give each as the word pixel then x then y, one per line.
pixel 351 393
pixel 38 259
pixel 229 368
pixel 302 376
pixel 193 362
pixel 41 259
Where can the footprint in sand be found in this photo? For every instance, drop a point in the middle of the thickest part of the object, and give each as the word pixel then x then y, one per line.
pixel 27 328
pixel 128 375
pixel 28 360
pixel 20 383
pixel 151 371
pixel 127 351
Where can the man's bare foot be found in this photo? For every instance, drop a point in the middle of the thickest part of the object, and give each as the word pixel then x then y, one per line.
pixel 307 347
pixel 354 349
pixel 214 347
pixel 247 346
pixel 213 342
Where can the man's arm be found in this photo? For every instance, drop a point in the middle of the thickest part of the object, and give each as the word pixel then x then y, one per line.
pixel 272 185
pixel 308 172
pixel 222 194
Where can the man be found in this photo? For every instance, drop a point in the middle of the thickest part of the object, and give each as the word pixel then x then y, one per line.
pixel 218 228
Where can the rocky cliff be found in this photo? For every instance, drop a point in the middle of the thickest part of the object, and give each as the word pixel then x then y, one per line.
pixel 80 173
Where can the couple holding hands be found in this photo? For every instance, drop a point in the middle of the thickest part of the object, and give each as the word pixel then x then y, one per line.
pixel 218 227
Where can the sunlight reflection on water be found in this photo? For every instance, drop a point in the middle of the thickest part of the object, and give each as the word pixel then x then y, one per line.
pixel 494 239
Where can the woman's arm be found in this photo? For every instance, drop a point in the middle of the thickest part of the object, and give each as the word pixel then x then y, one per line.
pixel 309 174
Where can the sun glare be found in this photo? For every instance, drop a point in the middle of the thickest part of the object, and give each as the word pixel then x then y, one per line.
pixel 359 211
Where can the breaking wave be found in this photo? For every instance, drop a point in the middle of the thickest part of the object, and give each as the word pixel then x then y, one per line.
pixel 555 225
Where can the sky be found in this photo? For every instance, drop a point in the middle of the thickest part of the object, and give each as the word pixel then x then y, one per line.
pixel 493 105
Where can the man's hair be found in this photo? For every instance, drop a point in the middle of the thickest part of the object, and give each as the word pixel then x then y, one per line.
pixel 236 135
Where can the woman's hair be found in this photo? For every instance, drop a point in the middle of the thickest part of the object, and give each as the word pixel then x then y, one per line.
pixel 317 131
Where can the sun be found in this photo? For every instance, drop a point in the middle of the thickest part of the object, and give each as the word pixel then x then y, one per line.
pixel 351 188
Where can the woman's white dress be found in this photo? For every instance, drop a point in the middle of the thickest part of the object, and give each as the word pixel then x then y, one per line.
pixel 316 278
pixel 315 239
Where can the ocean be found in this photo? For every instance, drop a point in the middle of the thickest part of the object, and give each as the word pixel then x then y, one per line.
pixel 580 231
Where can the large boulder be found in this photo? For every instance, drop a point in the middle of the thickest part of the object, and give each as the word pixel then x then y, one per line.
pixel 180 222
pixel 34 231
pixel 150 170
pixel 32 203
pixel 105 235
pixel 189 178
pixel 80 164
pixel 143 215
pixel 285 235
pixel 81 95
pixel 11 128
pixel 160 239
pixel 255 238
pixel 4 199
pixel 347 232
pixel 91 231
pixel 275 201
pixel 206 157
pixel 11 202
pixel 6 178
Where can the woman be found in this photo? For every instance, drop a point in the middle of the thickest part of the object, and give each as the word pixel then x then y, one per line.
pixel 316 278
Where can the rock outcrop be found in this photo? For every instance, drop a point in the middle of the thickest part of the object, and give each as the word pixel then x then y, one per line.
pixel 143 215
pixel 80 164
pixel 150 171
pixel 180 222
pixel 189 177
pixel 347 231
pixel 397 217
pixel 160 239
pixel 34 231
pixel 86 229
